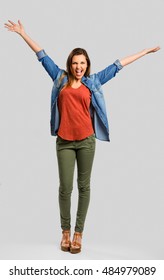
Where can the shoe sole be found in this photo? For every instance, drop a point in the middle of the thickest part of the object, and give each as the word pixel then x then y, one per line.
pixel 75 251
pixel 65 249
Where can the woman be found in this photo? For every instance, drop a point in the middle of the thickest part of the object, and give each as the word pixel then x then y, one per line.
pixel 78 116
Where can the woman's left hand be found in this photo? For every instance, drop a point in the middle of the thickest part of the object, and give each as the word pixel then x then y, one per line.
pixel 129 59
pixel 152 50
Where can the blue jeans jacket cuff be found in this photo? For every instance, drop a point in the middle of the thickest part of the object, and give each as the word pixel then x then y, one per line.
pixel 41 54
pixel 118 64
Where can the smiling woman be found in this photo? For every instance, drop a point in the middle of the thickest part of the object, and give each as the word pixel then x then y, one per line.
pixel 78 65
pixel 78 116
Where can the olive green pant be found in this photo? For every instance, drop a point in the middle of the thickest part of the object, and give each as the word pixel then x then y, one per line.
pixel 68 153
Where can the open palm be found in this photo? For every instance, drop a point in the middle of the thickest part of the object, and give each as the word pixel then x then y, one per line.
pixel 13 27
pixel 152 50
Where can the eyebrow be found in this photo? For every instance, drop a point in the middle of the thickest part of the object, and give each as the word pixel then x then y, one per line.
pixel 77 62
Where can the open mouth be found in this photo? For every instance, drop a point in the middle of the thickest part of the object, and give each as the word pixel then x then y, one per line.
pixel 79 72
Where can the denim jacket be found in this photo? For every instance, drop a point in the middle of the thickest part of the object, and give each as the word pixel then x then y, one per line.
pixel 94 83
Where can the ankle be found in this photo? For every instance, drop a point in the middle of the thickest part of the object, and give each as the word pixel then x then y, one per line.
pixel 77 237
pixel 78 233
pixel 65 242
pixel 76 243
pixel 66 231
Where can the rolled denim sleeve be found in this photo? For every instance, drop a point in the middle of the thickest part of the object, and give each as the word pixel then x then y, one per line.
pixel 118 64
pixel 109 72
pixel 48 64
pixel 41 54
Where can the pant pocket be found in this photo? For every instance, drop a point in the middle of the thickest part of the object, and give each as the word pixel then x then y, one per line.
pixel 62 144
pixel 91 142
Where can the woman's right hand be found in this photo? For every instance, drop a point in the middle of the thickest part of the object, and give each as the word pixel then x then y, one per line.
pixel 13 27
pixel 18 28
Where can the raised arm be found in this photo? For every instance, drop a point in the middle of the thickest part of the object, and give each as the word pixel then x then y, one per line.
pixel 129 59
pixel 19 29
pixel 49 65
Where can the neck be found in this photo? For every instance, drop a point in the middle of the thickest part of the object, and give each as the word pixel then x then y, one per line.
pixel 76 82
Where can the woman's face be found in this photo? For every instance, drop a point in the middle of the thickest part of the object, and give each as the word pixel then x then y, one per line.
pixel 78 66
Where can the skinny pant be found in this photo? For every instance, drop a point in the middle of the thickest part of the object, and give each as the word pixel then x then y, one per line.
pixel 68 153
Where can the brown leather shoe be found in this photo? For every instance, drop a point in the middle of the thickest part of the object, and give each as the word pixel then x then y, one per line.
pixel 65 242
pixel 76 243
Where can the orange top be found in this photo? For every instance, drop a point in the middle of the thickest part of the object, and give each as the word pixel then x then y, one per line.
pixel 75 119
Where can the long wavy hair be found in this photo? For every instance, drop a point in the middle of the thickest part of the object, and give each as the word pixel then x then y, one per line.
pixel 76 51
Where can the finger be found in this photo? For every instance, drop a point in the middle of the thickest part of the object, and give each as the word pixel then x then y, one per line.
pixel 9 29
pixel 20 24
pixel 7 25
pixel 13 23
pixel 156 49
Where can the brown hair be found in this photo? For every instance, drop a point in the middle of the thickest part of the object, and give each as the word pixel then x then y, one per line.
pixel 77 51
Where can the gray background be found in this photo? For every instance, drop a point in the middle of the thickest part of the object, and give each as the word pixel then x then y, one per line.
pixel 125 218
